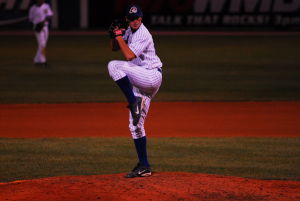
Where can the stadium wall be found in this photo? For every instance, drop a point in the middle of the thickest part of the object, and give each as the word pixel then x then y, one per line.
pixel 161 14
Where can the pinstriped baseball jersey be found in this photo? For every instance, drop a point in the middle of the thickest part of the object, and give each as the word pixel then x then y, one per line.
pixel 39 13
pixel 141 44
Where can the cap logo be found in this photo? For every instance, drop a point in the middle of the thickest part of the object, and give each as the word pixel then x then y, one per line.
pixel 133 10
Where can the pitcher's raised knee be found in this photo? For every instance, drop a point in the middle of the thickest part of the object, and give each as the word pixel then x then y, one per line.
pixel 114 71
pixel 112 66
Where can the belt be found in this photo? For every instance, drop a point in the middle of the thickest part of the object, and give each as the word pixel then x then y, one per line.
pixel 159 70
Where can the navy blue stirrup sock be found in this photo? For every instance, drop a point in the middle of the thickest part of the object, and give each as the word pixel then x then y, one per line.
pixel 126 88
pixel 141 149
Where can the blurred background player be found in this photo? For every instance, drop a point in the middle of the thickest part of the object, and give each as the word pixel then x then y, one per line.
pixel 139 78
pixel 39 14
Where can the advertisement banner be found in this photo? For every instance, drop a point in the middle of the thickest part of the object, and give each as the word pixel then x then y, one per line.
pixel 193 14
pixel 218 13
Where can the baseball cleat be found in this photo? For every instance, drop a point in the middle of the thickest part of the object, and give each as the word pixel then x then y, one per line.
pixel 45 65
pixel 41 64
pixel 139 171
pixel 136 110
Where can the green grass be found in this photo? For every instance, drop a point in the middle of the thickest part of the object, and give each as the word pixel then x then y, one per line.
pixel 196 68
pixel 262 158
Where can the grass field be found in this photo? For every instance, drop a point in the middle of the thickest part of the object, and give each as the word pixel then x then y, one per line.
pixel 247 157
pixel 196 68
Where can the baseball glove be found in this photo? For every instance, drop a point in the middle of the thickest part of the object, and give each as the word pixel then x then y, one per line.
pixel 39 26
pixel 117 28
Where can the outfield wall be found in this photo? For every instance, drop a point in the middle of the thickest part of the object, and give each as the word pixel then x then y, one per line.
pixel 177 14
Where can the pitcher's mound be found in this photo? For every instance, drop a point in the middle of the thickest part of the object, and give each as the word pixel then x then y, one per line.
pixel 160 186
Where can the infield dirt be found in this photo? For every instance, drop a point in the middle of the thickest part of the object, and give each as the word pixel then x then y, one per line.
pixel 194 119
pixel 166 119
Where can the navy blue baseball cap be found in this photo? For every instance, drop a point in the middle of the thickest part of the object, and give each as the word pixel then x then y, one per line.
pixel 134 12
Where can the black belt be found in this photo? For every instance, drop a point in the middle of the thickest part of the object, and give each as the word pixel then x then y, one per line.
pixel 159 70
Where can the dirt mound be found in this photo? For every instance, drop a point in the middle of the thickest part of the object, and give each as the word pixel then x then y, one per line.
pixel 160 186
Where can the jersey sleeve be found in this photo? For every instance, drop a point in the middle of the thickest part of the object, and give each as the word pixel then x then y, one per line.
pixel 49 12
pixel 139 44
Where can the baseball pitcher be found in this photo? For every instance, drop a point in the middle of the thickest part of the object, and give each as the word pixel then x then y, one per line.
pixel 139 78
pixel 39 14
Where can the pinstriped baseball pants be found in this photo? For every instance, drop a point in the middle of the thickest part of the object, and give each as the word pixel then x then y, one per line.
pixel 145 83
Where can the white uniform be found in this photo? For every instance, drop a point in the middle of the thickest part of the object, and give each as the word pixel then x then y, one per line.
pixel 144 72
pixel 38 14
